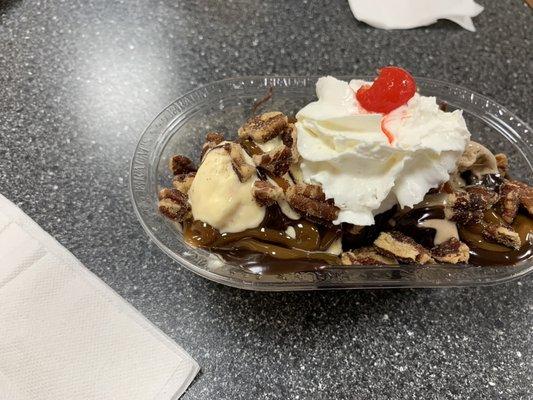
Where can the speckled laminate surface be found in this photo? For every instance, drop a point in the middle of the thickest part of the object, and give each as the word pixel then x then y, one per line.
pixel 79 80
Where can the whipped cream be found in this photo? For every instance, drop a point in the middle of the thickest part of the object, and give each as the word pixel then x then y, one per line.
pixel 344 149
pixel 218 197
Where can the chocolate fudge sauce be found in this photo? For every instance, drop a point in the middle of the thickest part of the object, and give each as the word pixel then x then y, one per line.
pixel 269 249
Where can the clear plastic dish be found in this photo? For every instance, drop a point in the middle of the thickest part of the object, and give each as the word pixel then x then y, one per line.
pixel 224 105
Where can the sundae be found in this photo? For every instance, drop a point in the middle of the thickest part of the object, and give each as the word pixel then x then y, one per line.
pixel 371 173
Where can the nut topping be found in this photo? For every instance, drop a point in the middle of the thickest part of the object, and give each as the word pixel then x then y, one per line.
pixel 506 236
pixel 525 196
pixel 459 209
pixel 174 204
pixel 403 248
pixel 181 165
pixel 510 200
pixel 312 191
pixel 526 199
pixel 288 137
pixel 276 161
pixel 366 256
pixel 243 170
pixel 467 206
pixel 212 139
pixel 266 193
pixel 311 200
pixel 482 198
pixel 451 251
pixel 183 182
pixel 264 127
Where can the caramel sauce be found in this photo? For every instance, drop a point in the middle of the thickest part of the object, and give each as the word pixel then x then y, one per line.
pixel 484 253
pixel 268 247
pixel 265 264
pixel 284 253
pixel 307 236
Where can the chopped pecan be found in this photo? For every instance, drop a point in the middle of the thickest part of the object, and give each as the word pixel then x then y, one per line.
pixel 276 161
pixel 460 209
pixel 525 196
pixel 296 173
pixel 366 256
pixel 183 182
pixel 264 127
pixel 502 162
pixel 403 248
pixel 467 206
pixel 312 191
pixel 311 200
pixel 174 204
pixel 288 137
pixel 212 139
pixel 181 165
pixel 504 235
pixel 451 251
pixel 482 198
pixel 243 170
pixel 509 200
pixel 266 193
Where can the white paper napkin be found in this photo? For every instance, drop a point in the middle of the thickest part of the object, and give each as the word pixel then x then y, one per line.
pixel 64 334
pixel 406 14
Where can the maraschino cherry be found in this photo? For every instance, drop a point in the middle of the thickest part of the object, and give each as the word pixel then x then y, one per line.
pixel 392 88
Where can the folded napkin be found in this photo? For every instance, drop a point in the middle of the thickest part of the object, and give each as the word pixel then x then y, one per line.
pixel 64 334
pixel 406 14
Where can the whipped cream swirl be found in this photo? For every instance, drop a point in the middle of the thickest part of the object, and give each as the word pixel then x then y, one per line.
pixel 344 149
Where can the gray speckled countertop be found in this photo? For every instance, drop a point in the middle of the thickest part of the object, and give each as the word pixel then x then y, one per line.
pixel 79 80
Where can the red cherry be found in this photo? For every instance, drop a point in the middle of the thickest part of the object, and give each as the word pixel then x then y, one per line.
pixel 392 88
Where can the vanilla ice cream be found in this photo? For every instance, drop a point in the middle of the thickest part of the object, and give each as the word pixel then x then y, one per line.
pixel 218 197
pixel 345 149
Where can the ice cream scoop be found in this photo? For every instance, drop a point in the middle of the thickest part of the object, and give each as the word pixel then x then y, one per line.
pixel 218 197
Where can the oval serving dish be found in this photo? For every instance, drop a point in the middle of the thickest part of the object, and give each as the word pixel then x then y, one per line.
pixel 224 105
